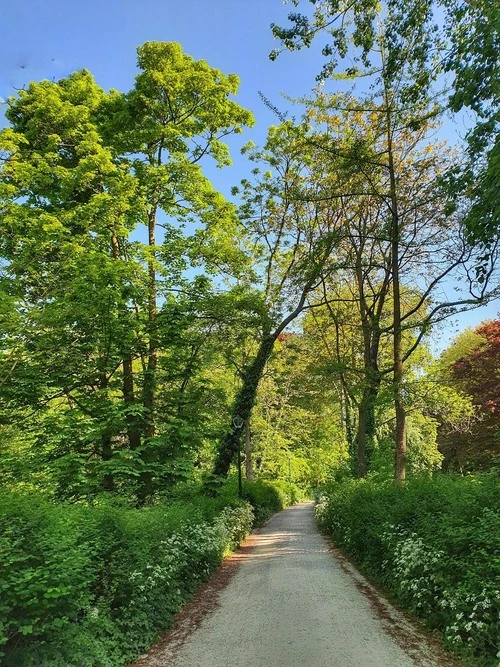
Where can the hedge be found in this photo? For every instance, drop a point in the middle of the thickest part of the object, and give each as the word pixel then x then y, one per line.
pixel 434 543
pixel 95 586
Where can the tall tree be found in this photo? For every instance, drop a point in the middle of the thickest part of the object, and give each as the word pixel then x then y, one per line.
pixel 81 171
pixel 178 113
pixel 65 203
pixel 294 240
pixel 396 47
pixel 473 31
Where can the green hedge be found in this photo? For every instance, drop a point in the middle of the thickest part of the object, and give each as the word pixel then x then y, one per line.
pixel 94 586
pixel 268 497
pixel 434 543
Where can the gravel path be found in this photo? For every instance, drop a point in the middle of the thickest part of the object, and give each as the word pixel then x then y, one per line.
pixel 288 599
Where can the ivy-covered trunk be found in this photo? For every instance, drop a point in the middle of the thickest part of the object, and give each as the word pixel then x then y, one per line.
pixel 366 426
pixel 248 453
pixel 243 405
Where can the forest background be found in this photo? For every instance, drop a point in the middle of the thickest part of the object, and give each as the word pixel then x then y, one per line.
pixel 172 321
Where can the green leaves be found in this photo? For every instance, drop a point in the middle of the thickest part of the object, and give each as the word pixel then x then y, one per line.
pixel 431 544
pixel 84 170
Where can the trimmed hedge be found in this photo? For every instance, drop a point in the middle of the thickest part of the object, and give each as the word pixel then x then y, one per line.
pixel 267 498
pixel 434 543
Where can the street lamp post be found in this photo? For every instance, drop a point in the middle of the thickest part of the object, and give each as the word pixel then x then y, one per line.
pixel 238 423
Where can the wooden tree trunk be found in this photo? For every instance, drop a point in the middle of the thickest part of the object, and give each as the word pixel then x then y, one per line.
pixel 149 388
pixel 243 405
pixel 400 433
pixel 133 430
pixel 361 440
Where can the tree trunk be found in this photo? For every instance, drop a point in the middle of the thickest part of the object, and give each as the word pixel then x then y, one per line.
pixel 367 427
pixel 243 405
pixel 107 483
pixel 149 388
pixel 400 434
pixel 133 430
pixel 152 363
pixel 350 430
pixel 361 440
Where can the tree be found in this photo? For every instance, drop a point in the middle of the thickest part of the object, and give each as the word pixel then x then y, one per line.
pixel 294 239
pixel 64 204
pixel 398 51
pixel 471 366
pixel 296 424
pixel 473 30
pixel 82 170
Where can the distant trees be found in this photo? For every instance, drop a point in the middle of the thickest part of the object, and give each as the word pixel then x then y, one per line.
pixel 397 49
pixel 472 365
pixel 141 312
pixel 294 238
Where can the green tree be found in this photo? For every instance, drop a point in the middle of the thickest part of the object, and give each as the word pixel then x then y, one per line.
pixel 294 239
pixel 65 202
pixel 82 170
pixel 397 49
pixel 473 30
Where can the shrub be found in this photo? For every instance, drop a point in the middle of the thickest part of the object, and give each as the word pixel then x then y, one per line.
pixel 267 497
pixel 433 544
pixel 94 586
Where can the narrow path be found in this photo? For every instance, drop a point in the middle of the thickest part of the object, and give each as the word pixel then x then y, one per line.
pixel 288 599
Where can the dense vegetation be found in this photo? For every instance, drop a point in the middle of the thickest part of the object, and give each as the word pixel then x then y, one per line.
pixel 151 330
pixel 434 545
pixel 94 585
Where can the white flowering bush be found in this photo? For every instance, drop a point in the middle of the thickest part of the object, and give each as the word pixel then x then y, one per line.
pixel 419 574
pixel 93 586
pixel 474 619
pixel 414 568
pixel 434 543
pixel 180 562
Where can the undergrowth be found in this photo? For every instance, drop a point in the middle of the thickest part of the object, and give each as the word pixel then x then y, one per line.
pixel 94 586
pixel 434 543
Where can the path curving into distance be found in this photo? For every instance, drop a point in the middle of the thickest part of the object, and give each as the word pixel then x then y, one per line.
pixel 288 599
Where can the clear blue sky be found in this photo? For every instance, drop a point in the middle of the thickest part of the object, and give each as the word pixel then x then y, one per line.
pixel 46 39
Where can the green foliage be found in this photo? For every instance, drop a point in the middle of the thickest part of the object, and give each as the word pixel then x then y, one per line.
pixel 100 363
pixel 95 585
pixel 473 29
pixel 434 544
pixel 267 497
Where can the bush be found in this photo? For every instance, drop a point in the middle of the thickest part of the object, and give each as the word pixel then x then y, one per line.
pixel 433 544
pixel 94 586
pixel 267 497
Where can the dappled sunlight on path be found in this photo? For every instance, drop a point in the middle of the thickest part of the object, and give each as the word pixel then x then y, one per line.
pixel 287 598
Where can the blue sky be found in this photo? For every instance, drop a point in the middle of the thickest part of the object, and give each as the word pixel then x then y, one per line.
pixel 46 39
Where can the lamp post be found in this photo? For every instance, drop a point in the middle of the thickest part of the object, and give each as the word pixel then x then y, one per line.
pixel 238 423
